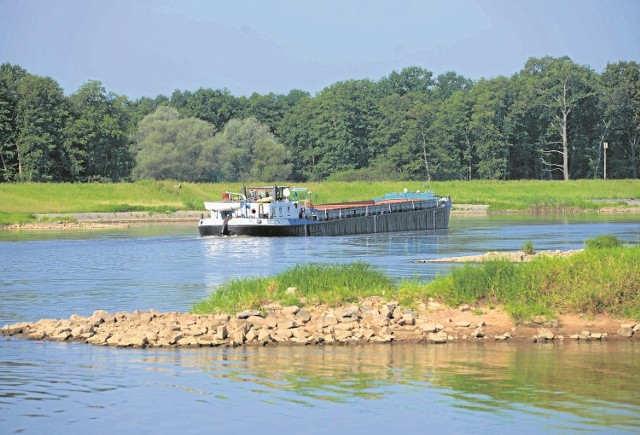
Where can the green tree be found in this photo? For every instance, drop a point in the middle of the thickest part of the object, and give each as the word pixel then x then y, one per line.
pixel 452 151
pixel 97 139
pixel 171 147
pixel 555 95
pixel 405 128
pixel 621 101
pixel 10 76
pixel 486 128
pixel 41 115
pixel 411 79
pixel 247 150
pixel 216 106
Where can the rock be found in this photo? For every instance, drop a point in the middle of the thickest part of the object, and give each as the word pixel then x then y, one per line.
pixel 221 333
pixel 14 329
pixel 463 324
pixel 464 307
pixel 264 336
pixel 187 341
pixel 349 326
pixel 329 319
pixel 437 338
pixel 387 310
pixel 238 337
pixel 292 310
pixel 282 335
pixel 248 313
pixel 342 335
pixel 100 338
pixel 256 320
pixel 303 316
pixel 351 312
pixel 625 332
pixel 478 333
pixel 287 324
pixel 545 334
pixel 597 335
pixel 397 314
pixel 134 340
pixel 251 336
pixel 429 327
pixel 271 322
pixel 409 318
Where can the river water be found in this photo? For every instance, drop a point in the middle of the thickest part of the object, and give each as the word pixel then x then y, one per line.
pixel 50 387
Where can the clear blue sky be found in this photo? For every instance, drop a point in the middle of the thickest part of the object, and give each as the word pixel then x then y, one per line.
pixel 150 47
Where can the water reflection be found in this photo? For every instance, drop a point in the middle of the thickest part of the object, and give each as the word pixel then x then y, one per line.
pixel 596 384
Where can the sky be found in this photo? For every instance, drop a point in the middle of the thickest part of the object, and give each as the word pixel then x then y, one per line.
pixel 150 47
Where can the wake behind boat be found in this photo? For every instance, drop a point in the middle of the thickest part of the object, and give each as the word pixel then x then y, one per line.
pixel 282 211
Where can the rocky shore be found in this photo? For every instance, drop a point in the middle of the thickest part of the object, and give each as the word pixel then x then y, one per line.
pixel 371 321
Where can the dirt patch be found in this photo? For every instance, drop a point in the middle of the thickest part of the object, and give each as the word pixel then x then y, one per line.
pixel 92 221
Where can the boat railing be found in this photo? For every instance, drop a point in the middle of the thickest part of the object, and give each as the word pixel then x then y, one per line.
pixel 376 209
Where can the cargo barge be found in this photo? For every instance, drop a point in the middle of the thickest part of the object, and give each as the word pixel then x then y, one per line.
pixel 282 211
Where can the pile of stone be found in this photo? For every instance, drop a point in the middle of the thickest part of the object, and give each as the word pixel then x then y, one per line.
pixel 371 322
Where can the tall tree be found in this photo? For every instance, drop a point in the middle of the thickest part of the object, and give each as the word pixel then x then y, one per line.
pixel 216 106
pixel 452 150
pixel 10 76
pixel 410 79
pixel 41 115
pixel 247 150
pixel 486 128
pixel 621 101
pixel 171 147
pixel 97 139
pixel 555 92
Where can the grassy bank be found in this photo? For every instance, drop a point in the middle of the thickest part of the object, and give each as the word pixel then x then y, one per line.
pixel 20 202
pixel 595 281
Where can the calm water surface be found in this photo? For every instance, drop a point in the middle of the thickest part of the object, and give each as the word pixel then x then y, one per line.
pixel 455 388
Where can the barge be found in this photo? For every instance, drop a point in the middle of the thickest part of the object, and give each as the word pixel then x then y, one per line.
pixel 283 211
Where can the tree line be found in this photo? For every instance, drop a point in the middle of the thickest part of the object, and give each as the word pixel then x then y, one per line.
pixel 547 121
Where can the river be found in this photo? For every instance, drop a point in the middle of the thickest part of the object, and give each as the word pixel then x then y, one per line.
pixel 48 387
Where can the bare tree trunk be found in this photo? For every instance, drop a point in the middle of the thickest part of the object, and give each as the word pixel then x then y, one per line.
pixel 564 134
pixel 424 156
pixel 633 144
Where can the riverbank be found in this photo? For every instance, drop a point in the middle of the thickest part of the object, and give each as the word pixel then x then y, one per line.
pixel 104 220
pixel 371 321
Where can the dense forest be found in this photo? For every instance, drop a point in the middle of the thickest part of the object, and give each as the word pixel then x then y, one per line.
pixel 547 121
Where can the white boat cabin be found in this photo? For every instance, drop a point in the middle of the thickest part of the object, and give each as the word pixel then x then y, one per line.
pixel 272 202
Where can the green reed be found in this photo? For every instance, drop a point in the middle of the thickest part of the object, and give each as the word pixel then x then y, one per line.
pixel 591 282
pixel 331 284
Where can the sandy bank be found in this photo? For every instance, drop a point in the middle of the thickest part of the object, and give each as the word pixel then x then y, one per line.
pixel 371 321
pixel 514 257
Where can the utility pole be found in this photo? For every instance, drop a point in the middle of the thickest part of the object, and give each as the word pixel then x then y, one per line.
pixel 605 145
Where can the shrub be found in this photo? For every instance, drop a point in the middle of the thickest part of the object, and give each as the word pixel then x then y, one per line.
pixel 606 241
pixel 527 247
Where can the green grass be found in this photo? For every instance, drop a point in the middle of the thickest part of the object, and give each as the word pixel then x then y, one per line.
pixel 331 284
pixel 590 282
pixel 595 281
pixel 23 199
